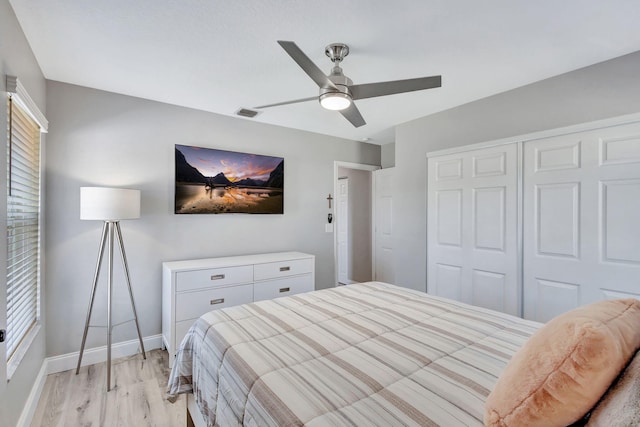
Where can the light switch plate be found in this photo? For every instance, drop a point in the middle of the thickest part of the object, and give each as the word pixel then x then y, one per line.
pixel 328 228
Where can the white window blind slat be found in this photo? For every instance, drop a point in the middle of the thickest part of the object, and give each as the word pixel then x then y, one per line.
pixel 20 153
pixel 23 133
pixel 15 338
pixel 24 225
pixel 21 175
pixel 21 291
pixel 23 228
pixel 18 241
pixel 21 326
pixel 25 309
pixel 23 297
pixel 23 302
pixel 20 251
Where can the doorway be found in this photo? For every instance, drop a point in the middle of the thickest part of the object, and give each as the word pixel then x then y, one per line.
pixel 353 228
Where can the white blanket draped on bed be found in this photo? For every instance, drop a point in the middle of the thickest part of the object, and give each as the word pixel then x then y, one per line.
pixel 366 354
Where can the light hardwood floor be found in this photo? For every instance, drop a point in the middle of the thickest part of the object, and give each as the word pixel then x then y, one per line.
pixel 137 397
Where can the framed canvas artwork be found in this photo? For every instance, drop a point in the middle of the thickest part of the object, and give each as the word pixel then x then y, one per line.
pixel 211 181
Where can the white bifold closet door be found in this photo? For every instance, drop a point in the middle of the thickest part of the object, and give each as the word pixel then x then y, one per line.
pixel 472 249
pixel 581 219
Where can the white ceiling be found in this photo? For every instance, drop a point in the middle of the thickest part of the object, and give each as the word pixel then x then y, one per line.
pixel 219 56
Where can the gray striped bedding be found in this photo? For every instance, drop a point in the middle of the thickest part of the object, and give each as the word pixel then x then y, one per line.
pixel 369 354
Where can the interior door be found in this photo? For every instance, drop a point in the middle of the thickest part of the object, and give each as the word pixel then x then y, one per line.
pixel 472 228
pixel 581 224
pixel 342 222
pixel 383 230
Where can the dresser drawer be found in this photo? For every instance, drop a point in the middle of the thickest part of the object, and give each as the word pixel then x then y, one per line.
pixel 190 305
pixel 206 278
pixel 274 270
pixel 282 287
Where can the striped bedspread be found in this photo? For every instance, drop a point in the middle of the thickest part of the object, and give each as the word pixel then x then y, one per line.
pixel 369 354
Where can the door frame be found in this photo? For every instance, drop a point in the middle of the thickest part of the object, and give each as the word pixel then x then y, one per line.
pixel 359 166
pixel 340 216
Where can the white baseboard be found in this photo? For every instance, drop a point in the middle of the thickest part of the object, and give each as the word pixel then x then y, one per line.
pixel 64 362
pixel 34 396
pixel 95 355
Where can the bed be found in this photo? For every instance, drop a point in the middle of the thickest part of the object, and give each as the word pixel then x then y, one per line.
pixel 366 354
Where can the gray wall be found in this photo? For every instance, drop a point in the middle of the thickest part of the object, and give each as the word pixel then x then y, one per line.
pixel 106 139
pixel 359 223
pixel 608 89
pixel 388 155
pixel 17 59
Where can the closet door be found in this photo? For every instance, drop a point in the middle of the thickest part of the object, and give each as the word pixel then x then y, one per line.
pixel 472 252
pixel 581 220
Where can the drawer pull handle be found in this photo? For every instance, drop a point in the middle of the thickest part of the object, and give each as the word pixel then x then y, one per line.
pixel 217 277
pixel 285 289
pixel 217 301
pixel 285 268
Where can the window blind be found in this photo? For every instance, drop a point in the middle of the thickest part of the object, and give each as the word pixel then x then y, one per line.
pixel 23 228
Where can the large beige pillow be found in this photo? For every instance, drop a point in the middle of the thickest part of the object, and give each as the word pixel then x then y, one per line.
pixel 566 366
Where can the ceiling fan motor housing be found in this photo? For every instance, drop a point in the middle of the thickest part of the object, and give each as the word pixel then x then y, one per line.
pixel 340 89
pixel 340 81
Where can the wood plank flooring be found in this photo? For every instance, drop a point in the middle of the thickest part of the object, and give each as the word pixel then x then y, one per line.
pixel 136 399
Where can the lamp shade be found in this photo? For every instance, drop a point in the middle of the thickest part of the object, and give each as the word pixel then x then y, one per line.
pixel 109 204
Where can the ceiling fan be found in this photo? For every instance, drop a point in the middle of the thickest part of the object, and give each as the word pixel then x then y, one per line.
pixel 337 91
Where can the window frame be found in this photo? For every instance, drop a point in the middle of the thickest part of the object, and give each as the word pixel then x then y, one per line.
pixel 18 97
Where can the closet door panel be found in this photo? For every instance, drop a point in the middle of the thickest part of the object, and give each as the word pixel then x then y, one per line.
pixel 620 226
pixel 581 233
pixel 448 280
pixel 472 223
pixel 489 289
pixel 620 149
pixel 445 271
pixel 449 214
pixel 555 298
pixel 489 214
pixel 557 223
pixel 560 154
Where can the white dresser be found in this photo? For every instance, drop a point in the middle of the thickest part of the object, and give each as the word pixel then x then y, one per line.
pixel 191 288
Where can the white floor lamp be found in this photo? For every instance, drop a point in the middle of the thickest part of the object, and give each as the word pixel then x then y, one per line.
pixel 110 205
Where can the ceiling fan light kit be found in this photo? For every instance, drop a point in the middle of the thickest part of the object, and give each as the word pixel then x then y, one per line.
pixel 335 101
pixel 337 96
pixel 337 91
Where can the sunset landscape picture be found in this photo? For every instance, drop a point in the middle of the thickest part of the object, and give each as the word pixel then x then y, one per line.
pixel 211 181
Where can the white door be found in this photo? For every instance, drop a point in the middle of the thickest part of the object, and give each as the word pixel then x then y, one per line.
pixel 472 228
pixel 342 222
pixel 383 231
pixel 581 220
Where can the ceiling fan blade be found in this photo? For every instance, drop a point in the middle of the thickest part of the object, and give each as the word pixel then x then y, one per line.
pixel 371 90
pixel 306 64
pixel 353 115
pixel 295 101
